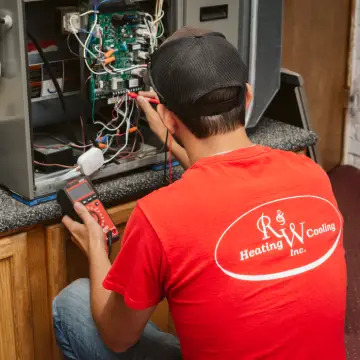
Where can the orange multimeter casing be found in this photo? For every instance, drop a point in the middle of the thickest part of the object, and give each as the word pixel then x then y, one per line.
pixel 81 190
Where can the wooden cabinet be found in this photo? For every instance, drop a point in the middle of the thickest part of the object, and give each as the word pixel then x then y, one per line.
pixel 16 330
pixel 34 267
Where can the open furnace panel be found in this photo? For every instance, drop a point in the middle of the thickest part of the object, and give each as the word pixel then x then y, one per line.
pixel 67 65
pixel 82 60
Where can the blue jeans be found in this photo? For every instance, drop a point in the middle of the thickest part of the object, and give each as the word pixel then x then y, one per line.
pixel 78 338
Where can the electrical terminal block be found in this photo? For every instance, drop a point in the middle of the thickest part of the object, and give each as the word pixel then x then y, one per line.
pixel 71 22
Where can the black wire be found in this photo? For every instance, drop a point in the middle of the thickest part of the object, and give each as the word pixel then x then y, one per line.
pixel 47 64
pixel 165 162
pixel 110 241
pixel 85 113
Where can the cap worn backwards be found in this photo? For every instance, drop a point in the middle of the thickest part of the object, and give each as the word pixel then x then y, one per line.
pixel 191 64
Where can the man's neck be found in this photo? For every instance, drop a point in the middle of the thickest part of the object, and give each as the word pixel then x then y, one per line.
pixel 216 145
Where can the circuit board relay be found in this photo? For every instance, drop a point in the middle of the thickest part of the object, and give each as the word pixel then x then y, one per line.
pixel 122 43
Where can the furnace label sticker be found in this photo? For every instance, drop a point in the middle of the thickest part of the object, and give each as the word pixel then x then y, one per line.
pixel 280 238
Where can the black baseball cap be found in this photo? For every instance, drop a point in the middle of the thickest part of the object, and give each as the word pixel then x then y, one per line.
pixel 193 63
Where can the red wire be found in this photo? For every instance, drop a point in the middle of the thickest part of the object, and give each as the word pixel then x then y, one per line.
pixel 58 165
pixel 170 159
pixel 50 146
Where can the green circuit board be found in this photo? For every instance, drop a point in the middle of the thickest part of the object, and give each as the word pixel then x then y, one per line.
pixel 123 39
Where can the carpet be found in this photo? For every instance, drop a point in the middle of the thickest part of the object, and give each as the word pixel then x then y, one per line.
pixel 346 185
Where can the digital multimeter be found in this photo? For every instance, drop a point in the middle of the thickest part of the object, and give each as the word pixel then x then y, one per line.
pixel 81 190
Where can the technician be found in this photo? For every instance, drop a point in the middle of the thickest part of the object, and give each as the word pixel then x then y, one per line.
pixel 227 244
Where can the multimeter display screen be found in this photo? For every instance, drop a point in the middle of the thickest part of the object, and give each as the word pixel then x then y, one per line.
pixel 80 191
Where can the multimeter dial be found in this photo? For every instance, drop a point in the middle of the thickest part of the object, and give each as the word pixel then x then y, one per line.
pixel 96 214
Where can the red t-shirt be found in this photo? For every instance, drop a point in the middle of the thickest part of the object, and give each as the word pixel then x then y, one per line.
pixel 247 248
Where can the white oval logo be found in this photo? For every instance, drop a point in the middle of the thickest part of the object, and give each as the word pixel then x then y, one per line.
pixel 280 238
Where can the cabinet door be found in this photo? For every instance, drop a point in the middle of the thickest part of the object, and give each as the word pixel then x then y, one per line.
pixel 56 237
pixel 16 332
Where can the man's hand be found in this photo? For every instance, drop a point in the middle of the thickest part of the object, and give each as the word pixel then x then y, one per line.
pixel 153 118
pixel 85 235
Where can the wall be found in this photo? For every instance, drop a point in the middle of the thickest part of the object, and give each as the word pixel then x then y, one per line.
pixel 316 45
pixel 352 130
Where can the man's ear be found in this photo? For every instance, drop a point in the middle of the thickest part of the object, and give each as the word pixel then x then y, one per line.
pixel 249 95
pixel 168 118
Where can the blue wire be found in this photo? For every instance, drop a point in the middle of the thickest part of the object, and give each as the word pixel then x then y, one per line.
pixel 95 9
pixel 100 3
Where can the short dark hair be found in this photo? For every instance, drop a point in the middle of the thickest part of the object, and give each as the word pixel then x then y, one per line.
pixel 207 126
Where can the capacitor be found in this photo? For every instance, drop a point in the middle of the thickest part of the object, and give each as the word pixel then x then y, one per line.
pixel 114 84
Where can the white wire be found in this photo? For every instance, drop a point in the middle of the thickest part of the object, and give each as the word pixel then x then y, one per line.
pixel 117 103
pixel 150 25
pixel 121 123
pixel 88 12
pixel 96 47
pixel 162 13
pixel 125 118
pixel 78 39
pixel 127 69
pixel 100 132
pixel 107 70
pixel 81 146
pixel 87 44
pixel 156 24
pixel 126 136
pixel 118 106
pixel 150 31
pixel 162 32
pixel 65 176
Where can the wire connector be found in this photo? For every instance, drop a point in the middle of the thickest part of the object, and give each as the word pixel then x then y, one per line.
pixel 7 21
pixel 91 161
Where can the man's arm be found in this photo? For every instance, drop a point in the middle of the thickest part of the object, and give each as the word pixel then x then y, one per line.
pixel 120 326
pixel 159 129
